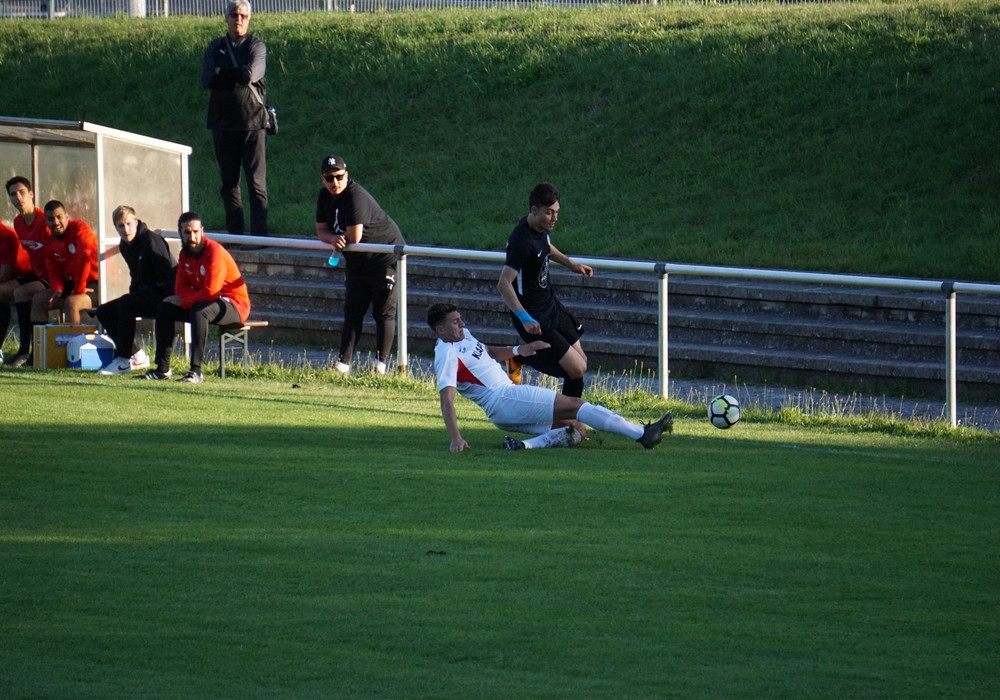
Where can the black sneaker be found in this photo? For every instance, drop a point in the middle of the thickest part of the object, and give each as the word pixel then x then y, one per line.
pixel 652 433
pixel 192 378
pixel 510 443
pixel 156 374
pixel 20 360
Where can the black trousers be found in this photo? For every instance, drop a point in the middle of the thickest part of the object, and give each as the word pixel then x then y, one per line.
pixel 247 150
pixel 221 312
pixel 377 291
pixel 118 318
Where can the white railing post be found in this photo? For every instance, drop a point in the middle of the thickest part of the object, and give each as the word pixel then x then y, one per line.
pixel 401 308
pixel 950 361
pixel 664 369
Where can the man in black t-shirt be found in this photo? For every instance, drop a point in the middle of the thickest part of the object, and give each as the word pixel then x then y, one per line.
pixel 346 213
pixel 535 311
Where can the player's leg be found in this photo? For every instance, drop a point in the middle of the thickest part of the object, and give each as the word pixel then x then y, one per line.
pixel 601 418
pixel 574 364
pixel 41 304
pixel 23 296
pixel 167 315
pixel 567 436
pixel 6 299
pixel 74 305
pixel 573 361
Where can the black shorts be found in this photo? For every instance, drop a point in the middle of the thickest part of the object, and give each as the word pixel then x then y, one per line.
pixel 31 277
pixel 561 331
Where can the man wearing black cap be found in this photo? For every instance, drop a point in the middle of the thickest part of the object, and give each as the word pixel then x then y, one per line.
pixel 346 213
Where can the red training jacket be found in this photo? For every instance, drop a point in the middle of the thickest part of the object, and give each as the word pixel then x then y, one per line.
pixel 72 258
pixel 211 275
pixel 33 238
pixel 12 252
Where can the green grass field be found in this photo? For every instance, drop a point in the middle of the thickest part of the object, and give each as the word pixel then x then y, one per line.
pixel 297 534
pixel 315 538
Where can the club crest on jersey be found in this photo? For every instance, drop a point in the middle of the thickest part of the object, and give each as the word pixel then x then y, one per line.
pixel 72 249
pixel 202 270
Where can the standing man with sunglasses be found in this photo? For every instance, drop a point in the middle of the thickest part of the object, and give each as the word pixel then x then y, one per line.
pixel 346 213
pixel 233 70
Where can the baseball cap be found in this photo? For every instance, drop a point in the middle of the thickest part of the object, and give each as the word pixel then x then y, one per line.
pixel 335 163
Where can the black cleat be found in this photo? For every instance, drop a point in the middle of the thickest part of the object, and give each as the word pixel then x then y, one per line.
pixel 652 433
pixel 510 443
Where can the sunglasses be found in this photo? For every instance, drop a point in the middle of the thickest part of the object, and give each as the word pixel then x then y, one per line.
pixel 331 178
pixel 238 15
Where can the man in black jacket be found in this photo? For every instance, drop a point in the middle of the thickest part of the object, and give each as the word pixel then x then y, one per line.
pixel 153 271
pixel 233 70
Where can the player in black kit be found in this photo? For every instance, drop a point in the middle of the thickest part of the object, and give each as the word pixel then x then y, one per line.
pixel 535 311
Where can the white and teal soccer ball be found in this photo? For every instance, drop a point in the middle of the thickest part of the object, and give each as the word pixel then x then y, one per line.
pixel 724 411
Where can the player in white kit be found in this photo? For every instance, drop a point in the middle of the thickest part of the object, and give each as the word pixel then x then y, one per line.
pixel 468 367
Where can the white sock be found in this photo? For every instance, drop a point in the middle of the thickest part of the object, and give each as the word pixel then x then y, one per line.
pixel 557 437
pixel 602 418
pixel 543 440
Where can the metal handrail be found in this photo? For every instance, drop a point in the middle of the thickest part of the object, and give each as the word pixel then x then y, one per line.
pixel 949 288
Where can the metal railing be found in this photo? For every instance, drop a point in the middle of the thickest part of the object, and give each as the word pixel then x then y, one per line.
pixel 948 289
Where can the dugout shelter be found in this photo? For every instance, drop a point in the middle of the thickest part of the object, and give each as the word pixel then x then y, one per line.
pixel 92 169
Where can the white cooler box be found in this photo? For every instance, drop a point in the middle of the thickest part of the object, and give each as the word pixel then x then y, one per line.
pixel 89 351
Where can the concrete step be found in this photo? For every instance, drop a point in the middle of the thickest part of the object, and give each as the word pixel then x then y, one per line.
pixel 861 338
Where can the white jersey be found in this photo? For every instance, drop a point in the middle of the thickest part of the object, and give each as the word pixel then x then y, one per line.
pixel 467 366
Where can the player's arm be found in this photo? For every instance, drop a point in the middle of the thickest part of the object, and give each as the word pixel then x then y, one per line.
pixel 506 352
pixel 505 285
pixel 451 419
pixel 569 263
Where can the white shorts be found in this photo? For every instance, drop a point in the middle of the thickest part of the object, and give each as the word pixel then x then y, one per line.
pixel 523 408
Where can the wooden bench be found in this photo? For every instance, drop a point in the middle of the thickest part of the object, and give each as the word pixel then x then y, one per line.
pixel 233 336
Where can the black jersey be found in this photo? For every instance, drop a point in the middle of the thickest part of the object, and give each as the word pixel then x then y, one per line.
pixel 355 206
pixel 528 254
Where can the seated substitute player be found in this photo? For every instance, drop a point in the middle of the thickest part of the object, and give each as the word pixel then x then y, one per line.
pixel 152 272
pixel 209 289
pixel 466 366
pixel 14 265
pixel 70 266
pixel 34 235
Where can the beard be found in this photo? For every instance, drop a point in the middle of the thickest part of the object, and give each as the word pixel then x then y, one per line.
pixel 195 250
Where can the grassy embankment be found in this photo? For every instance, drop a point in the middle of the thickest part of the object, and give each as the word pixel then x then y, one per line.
pixel 858 137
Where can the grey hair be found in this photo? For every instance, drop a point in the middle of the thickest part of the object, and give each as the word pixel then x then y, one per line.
pixel 234 5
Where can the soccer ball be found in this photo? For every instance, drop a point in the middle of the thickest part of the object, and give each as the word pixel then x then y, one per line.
pixel 724 411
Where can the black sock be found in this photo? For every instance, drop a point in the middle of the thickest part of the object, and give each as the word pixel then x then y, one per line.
pixel 4 321
pixel 573 387
pixel 25 325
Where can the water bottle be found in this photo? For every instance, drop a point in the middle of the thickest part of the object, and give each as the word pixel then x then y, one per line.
pixel 335 257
